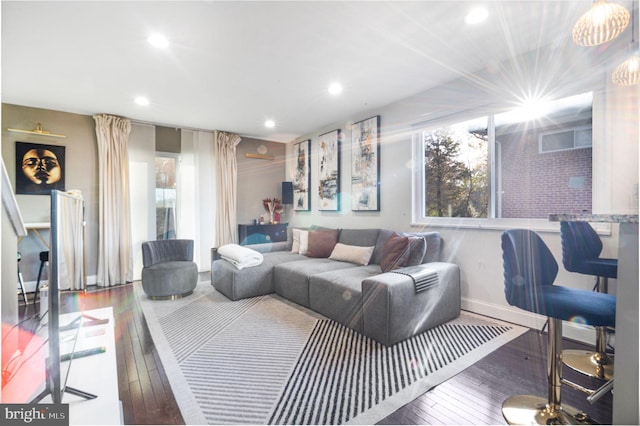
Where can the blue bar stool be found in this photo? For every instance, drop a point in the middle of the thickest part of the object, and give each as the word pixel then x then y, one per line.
pixel 529 273
pixel 581 248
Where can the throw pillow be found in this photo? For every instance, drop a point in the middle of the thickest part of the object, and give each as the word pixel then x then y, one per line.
pixel 304 242
pixel 417 250
pixel 395 252
pixel 353 254
pixel 321 243
pixel 295 247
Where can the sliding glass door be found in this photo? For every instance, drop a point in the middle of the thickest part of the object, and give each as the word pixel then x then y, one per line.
pixel 166 172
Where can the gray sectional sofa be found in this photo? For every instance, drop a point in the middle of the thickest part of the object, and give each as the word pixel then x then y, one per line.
pixel 384 306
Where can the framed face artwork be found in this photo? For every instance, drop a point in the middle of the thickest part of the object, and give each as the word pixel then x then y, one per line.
pixel 302 179
pixel 39 168
pixel 329 171
pixel 365 165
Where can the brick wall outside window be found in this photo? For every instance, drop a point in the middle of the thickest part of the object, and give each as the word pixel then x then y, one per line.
pixel 536 184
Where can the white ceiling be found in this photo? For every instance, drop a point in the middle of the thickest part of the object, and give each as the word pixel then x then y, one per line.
pixel 231 65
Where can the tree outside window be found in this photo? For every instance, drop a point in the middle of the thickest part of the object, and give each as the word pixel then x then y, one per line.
pixel 455 170
pixel 543 163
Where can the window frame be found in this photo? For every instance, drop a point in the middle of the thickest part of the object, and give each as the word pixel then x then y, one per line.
pixel 177 157
pixel 573 147
pixel 418 218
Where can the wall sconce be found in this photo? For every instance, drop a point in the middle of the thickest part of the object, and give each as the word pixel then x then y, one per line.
pixel 261 155
pixel 38 131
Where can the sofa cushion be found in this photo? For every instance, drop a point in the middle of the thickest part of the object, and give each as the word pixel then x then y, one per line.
pixel 395 252
pixel 359 237
pixel 338 294
pixel 295 237
pixel 321 243
pixel 304 243
pixel 291 236
pixel 393 311
pixel 353 254
pixel 383 236
pixel 434 245
pixel 417 250
pixel 291 279
pixel 250 282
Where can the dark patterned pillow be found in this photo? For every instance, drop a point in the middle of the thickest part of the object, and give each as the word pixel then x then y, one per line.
pixel 322 242
pixel 394 253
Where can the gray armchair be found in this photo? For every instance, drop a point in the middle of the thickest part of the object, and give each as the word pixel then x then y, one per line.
pixel 169 271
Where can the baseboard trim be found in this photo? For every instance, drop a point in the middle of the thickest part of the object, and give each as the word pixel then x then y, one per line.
pixel 579 332
pixel 30 286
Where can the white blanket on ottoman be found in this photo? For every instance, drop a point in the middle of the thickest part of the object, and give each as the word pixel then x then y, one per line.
pixel 240 257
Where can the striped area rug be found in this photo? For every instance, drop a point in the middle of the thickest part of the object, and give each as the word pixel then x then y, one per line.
pixel 267 361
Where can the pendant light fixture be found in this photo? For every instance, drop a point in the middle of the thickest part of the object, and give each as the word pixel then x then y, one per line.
pixel 628 72
pixel 601 24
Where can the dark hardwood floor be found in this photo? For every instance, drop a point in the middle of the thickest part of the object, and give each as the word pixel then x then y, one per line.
pixel 474 396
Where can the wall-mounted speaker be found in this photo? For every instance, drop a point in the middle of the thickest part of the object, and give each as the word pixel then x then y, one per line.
pixel 287 192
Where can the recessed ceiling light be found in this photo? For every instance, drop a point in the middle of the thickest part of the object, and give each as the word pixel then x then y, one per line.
pixel 158 40
pixel 269 123
pixel 141 100
pixel 335 88
pixel 477 15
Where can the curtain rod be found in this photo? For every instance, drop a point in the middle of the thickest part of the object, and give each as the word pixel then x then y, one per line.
pixel 150 123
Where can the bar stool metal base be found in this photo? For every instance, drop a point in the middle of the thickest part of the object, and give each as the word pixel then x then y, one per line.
pixel 592 364
pixel 596 363
pixel 535 410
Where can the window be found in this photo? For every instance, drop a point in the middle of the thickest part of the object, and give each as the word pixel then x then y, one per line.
pixel 455 170
pixel 540 163
pixel 565 139
pixel 166 172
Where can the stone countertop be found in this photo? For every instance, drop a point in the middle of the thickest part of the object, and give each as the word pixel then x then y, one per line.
pixel 608 218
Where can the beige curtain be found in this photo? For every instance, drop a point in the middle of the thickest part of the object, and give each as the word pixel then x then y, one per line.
pixel 226 187
pixel 70 247
pixel 115 257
